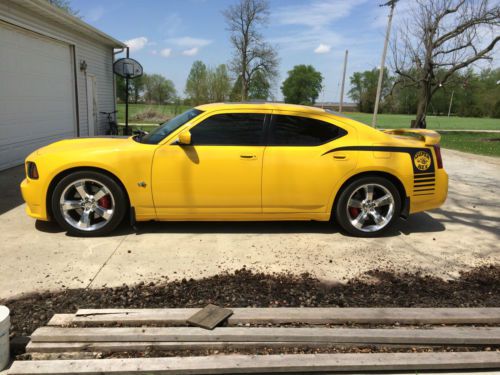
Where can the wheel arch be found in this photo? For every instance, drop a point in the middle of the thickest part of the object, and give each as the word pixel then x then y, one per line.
pixel 394 179
pixel 55 180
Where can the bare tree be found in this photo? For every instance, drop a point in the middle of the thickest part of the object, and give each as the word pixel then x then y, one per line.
pixel 439 38
pixel 251 52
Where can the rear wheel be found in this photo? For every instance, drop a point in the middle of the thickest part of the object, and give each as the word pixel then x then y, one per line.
pixel 88 203
pixel 368 206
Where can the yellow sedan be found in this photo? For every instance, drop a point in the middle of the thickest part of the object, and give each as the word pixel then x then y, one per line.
pixel 235 161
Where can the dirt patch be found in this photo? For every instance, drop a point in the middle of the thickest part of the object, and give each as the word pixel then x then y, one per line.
pixel 243 288
pixel 150 115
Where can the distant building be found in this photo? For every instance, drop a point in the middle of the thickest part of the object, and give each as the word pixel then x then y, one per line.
pixel 346 107
pixel 56 74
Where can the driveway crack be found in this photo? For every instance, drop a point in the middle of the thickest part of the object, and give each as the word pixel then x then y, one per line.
pixel 106 262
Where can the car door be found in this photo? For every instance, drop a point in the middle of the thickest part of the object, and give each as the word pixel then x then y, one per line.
pixel 219 173
pixel 297 176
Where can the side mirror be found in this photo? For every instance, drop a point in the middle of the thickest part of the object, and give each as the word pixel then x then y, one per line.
pixel 185 138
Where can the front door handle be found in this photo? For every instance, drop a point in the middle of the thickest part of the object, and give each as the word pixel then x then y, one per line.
pixel 340 157
pixel 248 156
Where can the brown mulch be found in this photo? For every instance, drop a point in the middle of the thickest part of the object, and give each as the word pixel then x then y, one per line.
pixel 479 287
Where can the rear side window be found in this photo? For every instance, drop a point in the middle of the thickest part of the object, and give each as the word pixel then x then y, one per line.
pixel 302 131
pixel 235 129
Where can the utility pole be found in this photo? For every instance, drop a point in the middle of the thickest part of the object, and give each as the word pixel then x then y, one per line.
pixel 392 4
pixel 343 82
pixel 451 102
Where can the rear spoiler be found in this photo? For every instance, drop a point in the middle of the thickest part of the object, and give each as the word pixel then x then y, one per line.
pixel 430 137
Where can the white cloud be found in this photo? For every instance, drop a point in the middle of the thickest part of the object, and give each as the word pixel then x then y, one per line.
pixel 190 52
pixel 166 52
pixel 188 41
pixel 316 14
pixel 137 44
pixel 154 52
pixel 322 48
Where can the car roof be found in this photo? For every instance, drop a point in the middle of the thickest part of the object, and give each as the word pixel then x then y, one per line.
pixel 260 105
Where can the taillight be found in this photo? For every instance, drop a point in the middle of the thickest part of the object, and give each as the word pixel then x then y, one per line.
pixel 32 171
pixel 439 159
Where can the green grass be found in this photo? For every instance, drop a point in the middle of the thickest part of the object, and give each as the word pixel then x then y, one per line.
pixel 433 122
pixel 476 143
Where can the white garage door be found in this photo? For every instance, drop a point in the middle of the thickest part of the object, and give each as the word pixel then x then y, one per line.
pixel 37 99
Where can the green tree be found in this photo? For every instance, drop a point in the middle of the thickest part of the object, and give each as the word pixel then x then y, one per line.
pixel 364 88
pixel 136 88
pixel 158 89
pixel 260 87
pixel 197 83
pixel 303 85
pixel 219 84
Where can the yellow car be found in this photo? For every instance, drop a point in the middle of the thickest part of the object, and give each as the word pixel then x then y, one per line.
pixel 239 161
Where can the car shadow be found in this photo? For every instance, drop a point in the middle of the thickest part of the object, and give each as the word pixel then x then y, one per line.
pixel 417 223
pixel 11 197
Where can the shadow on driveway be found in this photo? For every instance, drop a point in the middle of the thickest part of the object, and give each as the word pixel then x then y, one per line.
pixel 11 193
pixel 417 223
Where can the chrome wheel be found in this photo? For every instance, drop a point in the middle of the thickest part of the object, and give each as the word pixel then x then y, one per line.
pixel 370 207
pixel 87 204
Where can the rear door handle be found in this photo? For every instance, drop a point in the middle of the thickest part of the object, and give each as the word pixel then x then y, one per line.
pixel 248 156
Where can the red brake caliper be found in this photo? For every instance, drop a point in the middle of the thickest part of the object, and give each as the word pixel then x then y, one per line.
pixel 354 211
pixel 105 202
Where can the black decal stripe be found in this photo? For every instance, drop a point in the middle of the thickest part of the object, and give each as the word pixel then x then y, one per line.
pixel 424 179
pixel 422 185
pixel 419 195
pixel 377 148
pixel 423 175
pixel 416 191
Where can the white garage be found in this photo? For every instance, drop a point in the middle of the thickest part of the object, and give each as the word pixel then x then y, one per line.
pixel 55 77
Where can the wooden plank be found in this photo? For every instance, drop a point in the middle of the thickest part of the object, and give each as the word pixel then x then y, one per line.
pixel 244 364
pixel 439 335
pixel 209 317
pixel 106 347
pixel 314 315
pixel 61 320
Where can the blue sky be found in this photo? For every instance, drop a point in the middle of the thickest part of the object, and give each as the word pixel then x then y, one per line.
pixel 167 36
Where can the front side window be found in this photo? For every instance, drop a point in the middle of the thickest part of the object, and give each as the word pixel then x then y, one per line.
pixel 302 131
pixel 171 125
pixel 236 129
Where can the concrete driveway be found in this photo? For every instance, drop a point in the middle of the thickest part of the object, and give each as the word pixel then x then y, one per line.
pixel 463 234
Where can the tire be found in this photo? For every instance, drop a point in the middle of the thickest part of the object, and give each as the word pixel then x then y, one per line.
pixel 362 217
pixel 98 213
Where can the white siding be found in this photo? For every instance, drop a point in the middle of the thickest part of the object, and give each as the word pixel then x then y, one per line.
pixel 98 56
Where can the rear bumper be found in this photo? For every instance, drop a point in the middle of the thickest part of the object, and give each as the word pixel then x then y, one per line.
pixel 35 201
pixel 428 202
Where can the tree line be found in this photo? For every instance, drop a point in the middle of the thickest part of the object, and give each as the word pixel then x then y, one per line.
pixel 468 93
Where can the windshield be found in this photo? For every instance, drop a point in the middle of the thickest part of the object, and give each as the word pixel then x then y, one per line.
pixel 167 128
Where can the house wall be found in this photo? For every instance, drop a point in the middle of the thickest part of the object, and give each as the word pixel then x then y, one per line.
pixel 98 56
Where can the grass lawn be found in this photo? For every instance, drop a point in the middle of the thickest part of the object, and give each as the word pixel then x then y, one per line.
pixel 433 122
pixel 476 143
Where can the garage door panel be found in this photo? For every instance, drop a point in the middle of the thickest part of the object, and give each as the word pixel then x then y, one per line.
pixel 37 102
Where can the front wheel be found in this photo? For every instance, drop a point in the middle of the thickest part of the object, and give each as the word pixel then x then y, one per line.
pixel 368 206
pixel 88 203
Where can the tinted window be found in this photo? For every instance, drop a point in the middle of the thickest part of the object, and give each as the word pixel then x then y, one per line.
pixel 239 129
pixel 167 128
pixel 302 131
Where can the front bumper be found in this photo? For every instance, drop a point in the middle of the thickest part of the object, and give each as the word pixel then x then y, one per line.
pixel 34 198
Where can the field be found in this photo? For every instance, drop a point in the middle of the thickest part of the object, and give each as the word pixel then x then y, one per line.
pixel 476 143
pixel 384 120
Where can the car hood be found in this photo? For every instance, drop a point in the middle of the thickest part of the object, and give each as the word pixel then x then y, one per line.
pixel 85 145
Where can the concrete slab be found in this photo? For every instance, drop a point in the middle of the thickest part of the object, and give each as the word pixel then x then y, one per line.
pixel 463 234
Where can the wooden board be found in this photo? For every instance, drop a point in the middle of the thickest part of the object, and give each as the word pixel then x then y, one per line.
pixel 61 320
pixel 439 335
pixel 209 317
pixel 241 364
pixel 315 315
